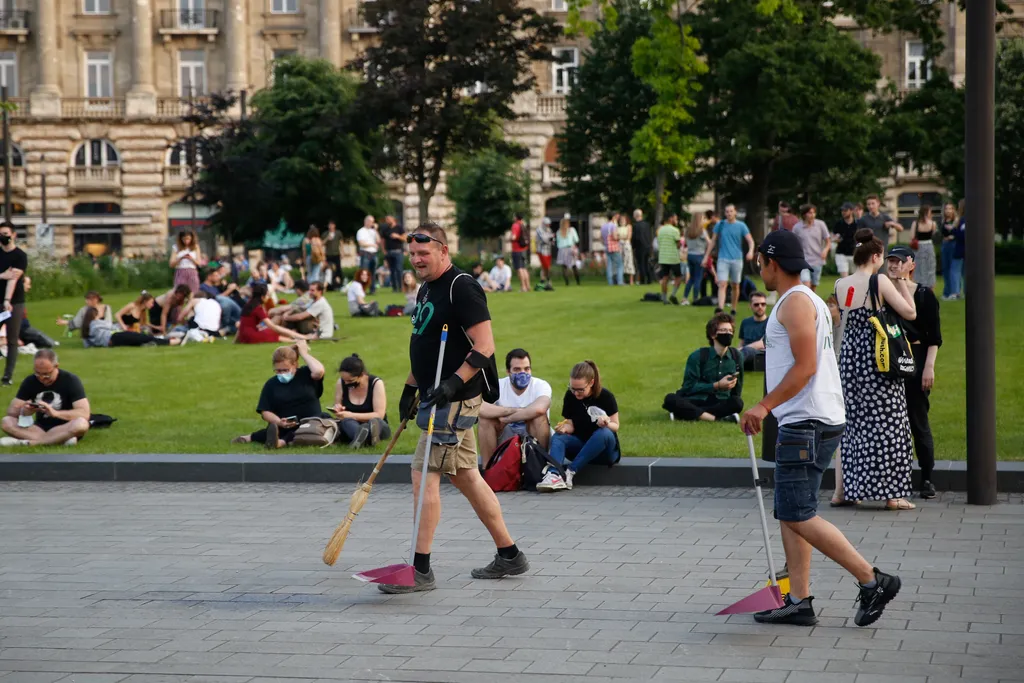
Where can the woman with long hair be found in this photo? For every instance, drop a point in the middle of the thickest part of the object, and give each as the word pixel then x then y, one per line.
pixel 168 308
pixel 99 332
pixel 134 317
pixel 876 448
pixel 696 247
pixel 567 241
pixel 624 233
pixel 411 289
pixel 255 327
pixel 357 304
pixel 921 233
pixel 360 404
pixel 313 254
pixel 186 260
pixel 950 219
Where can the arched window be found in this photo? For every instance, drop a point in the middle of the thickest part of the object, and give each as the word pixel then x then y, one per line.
pixel 97 153
pixel 17 159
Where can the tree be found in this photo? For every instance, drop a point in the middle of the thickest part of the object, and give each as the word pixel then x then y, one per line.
pixel 441 72
pixel 304 156
pixel 488 189
pixel 1010 137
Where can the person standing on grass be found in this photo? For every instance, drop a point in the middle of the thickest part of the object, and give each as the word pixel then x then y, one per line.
pixel 696 249
pixel 57 400
pixel 921 233
pixel 13 264
pixel 567 242
pixel 669 262
pixel 612 250
pixel 950 219
pixel 545 246
pixel 449 297
pixel 332 252
pixel 521 252
pixel 817 242
pixel 368 241
pixel 842 234
pixel 805 396
pixel 186 260
pixel 879 223
pixel 624 233
pixel 642 239
pixel 393 235
pixel 728 236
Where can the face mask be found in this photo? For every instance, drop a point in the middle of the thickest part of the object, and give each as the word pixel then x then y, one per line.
pixel 5 239
pixel 286 377
pixel 351 385
pixel 520 380
pixel 724 338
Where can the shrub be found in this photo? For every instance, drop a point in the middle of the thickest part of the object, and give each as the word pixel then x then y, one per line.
pixel 52 279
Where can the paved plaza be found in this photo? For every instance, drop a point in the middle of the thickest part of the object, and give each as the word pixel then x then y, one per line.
pixel 148 583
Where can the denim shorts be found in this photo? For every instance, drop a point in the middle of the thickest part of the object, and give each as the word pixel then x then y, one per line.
pixel 813 275
pixel 729 270
pixel 802 454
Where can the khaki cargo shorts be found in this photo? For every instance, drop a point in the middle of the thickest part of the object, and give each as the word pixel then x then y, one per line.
pixel 450 458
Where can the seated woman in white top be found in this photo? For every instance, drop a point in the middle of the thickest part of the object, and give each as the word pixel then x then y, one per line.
pixel 501 276
pixel 357 304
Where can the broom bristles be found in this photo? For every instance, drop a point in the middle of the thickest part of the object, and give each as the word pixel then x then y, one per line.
pixel 337 542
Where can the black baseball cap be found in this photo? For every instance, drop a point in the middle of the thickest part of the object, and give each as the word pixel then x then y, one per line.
pixel 848 206
pixel 784 248
pixel 901 252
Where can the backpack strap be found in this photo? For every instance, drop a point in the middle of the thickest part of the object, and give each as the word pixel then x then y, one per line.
pixel 873 292
pixel 705 353
pixel 734 353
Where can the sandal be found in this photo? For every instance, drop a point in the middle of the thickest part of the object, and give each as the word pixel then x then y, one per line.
pixel 842 503
pixel 900 504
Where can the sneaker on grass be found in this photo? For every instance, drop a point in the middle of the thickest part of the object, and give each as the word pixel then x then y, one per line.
pixel 797 614
pixel 423 582
pixel 500 567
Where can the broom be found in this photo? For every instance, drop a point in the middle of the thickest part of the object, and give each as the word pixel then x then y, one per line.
pixel 356 503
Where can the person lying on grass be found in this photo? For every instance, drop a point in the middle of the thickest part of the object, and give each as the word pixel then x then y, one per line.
pixel 57 400
pixel 293 393
pixel 97 332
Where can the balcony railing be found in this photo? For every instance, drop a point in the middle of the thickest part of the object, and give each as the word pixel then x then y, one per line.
pixel 187 19
pixel 19 106
pixel 175 177
pixel 92 108
pixel 176 107
pixel 551 105
pixel 550 175
pixel 14 20
pixel 94 177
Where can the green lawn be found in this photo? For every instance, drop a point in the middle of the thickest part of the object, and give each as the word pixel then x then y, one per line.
pixel 195 399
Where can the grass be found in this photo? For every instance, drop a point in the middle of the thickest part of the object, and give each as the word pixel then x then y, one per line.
pixel 195 399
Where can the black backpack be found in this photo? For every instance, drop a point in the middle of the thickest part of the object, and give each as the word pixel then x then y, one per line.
pixel 536 461
pixel 891 350
pixel 524 236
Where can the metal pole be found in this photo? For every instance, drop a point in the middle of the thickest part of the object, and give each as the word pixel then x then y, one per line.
pixel 7 153
pixel 980 257
pixel 42 187
pixel 190 151
pixel 243 96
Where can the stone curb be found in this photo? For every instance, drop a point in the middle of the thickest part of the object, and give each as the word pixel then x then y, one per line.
pixel 335 468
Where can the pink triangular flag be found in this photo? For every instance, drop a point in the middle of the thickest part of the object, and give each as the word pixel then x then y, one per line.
pixel 769 597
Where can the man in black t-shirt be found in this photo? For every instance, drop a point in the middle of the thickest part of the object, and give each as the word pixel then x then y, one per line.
pixel 453 298
pixel 642 240
pixel 394 246
pixel 57 400
pixel 13 264
pixel 842 233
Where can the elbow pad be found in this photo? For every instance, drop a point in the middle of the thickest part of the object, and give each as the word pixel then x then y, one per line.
pixel 478 360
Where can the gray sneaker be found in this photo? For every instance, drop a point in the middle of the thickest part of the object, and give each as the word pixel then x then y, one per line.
pixel 501 567
pixel 374 432
pixel 361 436
pixel 424 582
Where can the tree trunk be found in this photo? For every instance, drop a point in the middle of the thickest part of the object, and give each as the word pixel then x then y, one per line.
pixel 425 197
pixel 659 198
pixel 757 202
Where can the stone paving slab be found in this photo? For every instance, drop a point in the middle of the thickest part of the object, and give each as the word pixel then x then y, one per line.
pixel 223 583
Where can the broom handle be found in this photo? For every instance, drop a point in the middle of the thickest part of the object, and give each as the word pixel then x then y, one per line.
pixel 387 451
pixel 760 508
pixel 428 448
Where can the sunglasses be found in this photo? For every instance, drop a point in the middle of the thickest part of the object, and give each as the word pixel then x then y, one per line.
pixel 762 304
pixel 421 238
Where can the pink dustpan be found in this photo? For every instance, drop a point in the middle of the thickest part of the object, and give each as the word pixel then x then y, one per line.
pixel 769 597
pixel 393 574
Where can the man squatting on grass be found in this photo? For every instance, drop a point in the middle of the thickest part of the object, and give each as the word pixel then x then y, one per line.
pixel 806 397
pixel 453 298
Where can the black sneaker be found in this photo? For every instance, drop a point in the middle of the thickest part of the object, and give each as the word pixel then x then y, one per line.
pixel 927 490
pixel 424 582
pixel 272 435
pixel 6 381
pixel 734 418
pixel 674 300
pixel 733 312
pixel 801 614
pixel 873 600
pixel 361 436
pixel 718 310
pixel 501 567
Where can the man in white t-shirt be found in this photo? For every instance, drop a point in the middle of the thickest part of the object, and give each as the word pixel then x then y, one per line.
pixel 523 405
pixel 501 276
pixel 368 240
pixel 319 310
pixel 207 313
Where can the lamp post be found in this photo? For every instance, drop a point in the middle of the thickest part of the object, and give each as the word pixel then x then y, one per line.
pixel 7 153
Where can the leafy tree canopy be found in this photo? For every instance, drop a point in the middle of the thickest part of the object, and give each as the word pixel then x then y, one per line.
pixel 488 189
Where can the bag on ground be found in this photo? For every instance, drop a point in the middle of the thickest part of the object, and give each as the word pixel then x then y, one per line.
pixel 503 471
pixel 535 462
pixel 101 421
pixel 315 431
pixel 893 357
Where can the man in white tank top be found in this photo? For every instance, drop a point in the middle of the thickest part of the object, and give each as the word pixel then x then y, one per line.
pixel 805 395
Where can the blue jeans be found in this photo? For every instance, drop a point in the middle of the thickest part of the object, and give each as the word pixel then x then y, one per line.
pixel 957 275
pixel 313 272
pixel 601 448
pixel 230 312
pixel 368 261
pixel 613 267
pixel 695 264
pixel 396 262
pixel 802 454
pixel 947 268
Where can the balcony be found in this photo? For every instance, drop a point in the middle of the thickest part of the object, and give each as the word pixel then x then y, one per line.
pixel 176 107
pixel 551 106
pixel 94 178
pixel 550 175
pixel 357 23
pixel 19 107
pixel 175 179
pixel 92 108
pixel 185 22
pixel 14 23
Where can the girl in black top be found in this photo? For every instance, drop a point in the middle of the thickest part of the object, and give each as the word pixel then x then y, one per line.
pixel 360 404
pixel 589 432
pixel 134 316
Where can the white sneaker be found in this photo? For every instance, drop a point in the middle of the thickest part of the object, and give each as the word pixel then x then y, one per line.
pixel 9 441
pixel 73 441
pixel 684 302
pixel 552 482
pixel 568 479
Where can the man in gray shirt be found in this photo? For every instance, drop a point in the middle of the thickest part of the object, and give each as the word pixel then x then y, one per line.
pixel 816 244
pixel 878 223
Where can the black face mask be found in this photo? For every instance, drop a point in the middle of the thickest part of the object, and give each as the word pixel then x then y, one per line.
pixel 5 239
pixel 724 338
pixel 351 385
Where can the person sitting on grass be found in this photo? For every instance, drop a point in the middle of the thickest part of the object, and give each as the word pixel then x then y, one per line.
pixel 358 306
pixel 205 324
pixel 168 307
pixel 590 431
pixel 57 400
pixel 752 332
pixel 523 406
pixel 92 300
pixel 291 395
pixel 360 404
pixel 500 276
pixel 319 312
pixel 713 381
pixel 256 328
pixel 213 285
pixel 134 317
pixel 482 278
pixel 411 290
pixel 96 332
pixel 279 314
pixel 29 334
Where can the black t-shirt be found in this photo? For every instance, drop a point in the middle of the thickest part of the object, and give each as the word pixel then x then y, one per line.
pixel 14 258
pixel 926 328
pixel 846 231
pixel 576 410
pixel 457 300
pixel 642 236
pixel 62 394
pixel 299 398
pixel 393 237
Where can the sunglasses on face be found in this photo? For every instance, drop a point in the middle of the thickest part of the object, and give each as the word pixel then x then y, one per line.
pixel 760 305
pixel 421 238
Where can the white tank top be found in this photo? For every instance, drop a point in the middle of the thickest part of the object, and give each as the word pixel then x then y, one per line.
pixel 822 398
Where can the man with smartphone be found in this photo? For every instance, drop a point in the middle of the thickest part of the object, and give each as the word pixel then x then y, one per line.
pixel 713 380
pixel 49 408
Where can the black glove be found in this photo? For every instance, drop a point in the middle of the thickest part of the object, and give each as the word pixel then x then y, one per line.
pixel 443 392
pixel 407 404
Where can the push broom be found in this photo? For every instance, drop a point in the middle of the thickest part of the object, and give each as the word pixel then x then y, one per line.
pixel 769 597
pixel 405 574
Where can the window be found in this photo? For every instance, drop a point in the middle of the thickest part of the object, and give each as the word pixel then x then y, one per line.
pixel 179 156
pixel 278 54
pixel 9 73
pixel 918 68
pixel 17 160
pixel 191 14
pixel 97 7
pixel 563 70
pixel 99 75
pixel 96 153
pixel 193 72
pixel 284 6
pixel 559 5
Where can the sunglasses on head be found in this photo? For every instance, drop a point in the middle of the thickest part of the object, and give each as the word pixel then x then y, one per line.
pixel 423 238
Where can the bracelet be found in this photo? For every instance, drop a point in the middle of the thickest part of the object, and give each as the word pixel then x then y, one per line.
pixel 766 408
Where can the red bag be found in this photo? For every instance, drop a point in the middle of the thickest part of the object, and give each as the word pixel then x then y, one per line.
pixel 504 471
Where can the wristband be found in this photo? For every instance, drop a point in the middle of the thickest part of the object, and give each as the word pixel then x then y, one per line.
pixel 478 360
pixel 766 408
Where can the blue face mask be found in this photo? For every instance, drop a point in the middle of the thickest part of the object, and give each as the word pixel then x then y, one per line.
pixel 520 380
pixel 286 377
